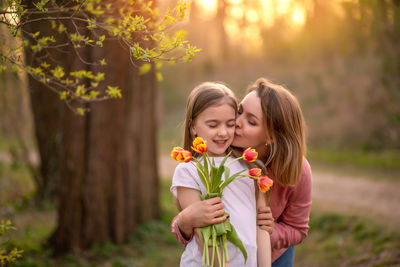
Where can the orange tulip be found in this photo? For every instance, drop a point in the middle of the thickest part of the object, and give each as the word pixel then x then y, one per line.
pixel 199 145
pixel 264 183
pixel 250 155
pixel 255 172
pixel 181 154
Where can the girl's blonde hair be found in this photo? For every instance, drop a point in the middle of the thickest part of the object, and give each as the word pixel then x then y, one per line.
pixel 203 96
pixel 285 127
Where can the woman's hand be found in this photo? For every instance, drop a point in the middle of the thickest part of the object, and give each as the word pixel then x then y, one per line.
pixel 201 213
pixel 265 219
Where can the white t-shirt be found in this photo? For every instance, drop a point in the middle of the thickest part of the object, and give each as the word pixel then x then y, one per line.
pixel 239 201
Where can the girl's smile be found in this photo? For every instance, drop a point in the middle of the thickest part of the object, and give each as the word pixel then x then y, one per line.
pixel 216 125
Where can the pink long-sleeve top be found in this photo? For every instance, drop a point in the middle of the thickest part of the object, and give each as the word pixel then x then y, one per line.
pixel 290 207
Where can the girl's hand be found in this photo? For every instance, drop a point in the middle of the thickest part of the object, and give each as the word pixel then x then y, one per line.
pixel 201 213
pixel 265 219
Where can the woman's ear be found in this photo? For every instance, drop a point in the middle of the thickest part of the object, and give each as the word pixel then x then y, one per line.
pixel 269 141
pixel 193 131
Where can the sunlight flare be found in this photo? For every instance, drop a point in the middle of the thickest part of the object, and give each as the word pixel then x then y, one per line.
pixel 298 16
pixel 208 7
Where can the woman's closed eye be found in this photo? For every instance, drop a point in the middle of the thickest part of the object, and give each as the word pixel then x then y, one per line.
pixel 251 122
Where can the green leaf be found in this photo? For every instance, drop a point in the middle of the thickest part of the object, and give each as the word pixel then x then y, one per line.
pixel 227 172
pixel 202 176
pixel 159 76
pixel 113 91
pixel 230 179
pixel 145 68
pixel 234 239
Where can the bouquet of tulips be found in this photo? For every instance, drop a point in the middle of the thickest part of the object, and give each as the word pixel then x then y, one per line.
pixel 211 176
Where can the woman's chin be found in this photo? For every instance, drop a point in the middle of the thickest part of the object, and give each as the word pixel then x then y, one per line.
pixel 237 144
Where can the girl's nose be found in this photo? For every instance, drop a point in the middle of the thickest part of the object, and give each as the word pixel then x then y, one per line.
pixel 222 131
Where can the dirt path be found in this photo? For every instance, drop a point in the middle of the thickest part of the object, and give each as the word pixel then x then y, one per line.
pixel 379 200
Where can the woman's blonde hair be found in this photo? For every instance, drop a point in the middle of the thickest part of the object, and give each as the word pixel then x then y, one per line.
pixel 203 96
pixel 285 127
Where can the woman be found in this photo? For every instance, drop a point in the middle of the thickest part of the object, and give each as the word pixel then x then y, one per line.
pixel 269 120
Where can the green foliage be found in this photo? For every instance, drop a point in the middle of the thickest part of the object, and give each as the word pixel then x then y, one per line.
pixel 341 240
pixel 10 255
pixel 139 26
pixel 389 160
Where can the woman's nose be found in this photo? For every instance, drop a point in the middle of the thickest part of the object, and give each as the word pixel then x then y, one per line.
pixel 238 122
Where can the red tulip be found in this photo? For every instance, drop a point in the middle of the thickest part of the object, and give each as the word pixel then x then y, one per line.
pixel 264 183
pixel 250 155
pixel 255 172
pixel 199 145
pixel 181 154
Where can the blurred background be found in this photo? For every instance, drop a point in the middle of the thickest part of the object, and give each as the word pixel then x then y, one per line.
pixel 341 58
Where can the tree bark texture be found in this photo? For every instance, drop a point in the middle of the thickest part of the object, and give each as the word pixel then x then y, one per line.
pixel 46 108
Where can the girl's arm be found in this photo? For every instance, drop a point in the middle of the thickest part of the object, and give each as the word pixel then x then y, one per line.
pixel 196 215
pixel 263 238
pixel 189 196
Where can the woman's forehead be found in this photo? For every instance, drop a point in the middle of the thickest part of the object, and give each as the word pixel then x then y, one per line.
pixel 251 103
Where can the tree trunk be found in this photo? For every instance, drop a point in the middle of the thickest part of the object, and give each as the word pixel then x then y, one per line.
pixel 109 180
pixel 46 108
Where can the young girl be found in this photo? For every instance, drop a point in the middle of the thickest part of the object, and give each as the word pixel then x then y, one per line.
pixel 211 113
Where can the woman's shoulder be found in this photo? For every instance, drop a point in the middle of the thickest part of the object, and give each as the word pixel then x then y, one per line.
pixel 306 171
pixel 306 176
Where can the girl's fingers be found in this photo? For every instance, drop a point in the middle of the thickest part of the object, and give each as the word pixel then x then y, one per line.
pixel 214 200
pixel 220 219
pixel 219 213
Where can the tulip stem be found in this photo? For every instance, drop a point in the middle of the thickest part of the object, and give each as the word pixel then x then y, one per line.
pixel 207 185
pixel 230 162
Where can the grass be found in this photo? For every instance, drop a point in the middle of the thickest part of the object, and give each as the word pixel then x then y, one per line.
pixel 334 240
pixel 16 185
pixel 357 158
pixel 151 244
pixel 368 164
pixel 342 240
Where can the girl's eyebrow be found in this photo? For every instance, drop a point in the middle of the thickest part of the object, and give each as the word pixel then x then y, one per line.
pixel 214 120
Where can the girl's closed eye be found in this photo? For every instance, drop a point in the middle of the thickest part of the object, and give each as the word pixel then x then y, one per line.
pixel 230 124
